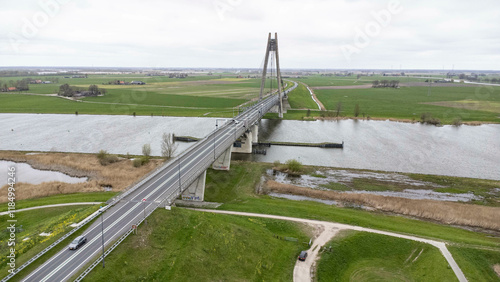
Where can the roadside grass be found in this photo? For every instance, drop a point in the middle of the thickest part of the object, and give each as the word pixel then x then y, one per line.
pixel 50 220
pixel 300 98
pixel 62 199
pixel 408 103
pixel 363 256
pixel 477 264
pixel 184 245
pixel 246 177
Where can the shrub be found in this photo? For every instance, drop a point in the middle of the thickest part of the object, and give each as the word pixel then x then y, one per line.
pixel 294 165
pixel 427 118
pixel 457 122
pixel 105 158
pixel 140 161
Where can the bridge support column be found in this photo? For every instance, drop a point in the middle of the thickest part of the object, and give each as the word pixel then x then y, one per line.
pixel 245 144
pixel 224 161
pixel 196 191
pixel 255 133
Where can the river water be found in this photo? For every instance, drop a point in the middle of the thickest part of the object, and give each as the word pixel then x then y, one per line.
pixel 27 174
pixel 468 151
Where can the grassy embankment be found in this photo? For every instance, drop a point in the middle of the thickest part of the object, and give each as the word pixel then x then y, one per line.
pixel 184 245
pixel 360 256
pixel 50 220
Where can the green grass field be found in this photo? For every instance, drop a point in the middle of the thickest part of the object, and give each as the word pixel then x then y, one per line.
pixel 477 264
pixel 50 220
pixel 409 102
pixel 300 98
pixel 318 80
pixel 192 96
pixel 361 256
pixel 184 245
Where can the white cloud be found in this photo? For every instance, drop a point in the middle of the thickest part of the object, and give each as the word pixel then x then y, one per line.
pixel 233 33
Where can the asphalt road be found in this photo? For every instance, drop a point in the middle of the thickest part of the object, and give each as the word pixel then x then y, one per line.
pixel 166 185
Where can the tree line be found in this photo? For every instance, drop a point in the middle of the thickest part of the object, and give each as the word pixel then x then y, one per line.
pixel 67 90
pixel 20 85
pixel 385 83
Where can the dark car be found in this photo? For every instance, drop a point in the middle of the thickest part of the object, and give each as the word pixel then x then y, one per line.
pixel 303 256
pixel 80 240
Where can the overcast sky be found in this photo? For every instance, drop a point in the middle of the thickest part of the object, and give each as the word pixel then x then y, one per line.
pixel 425 34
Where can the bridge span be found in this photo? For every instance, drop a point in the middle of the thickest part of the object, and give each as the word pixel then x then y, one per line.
pixel 157 190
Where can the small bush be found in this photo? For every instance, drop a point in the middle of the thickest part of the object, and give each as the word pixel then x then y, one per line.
pixel 105 158
pixel 294 165
pixel 276 163
pixel 140 161
pixel 427 118
pixel 457 122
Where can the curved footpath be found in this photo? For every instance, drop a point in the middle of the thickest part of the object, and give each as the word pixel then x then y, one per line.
pixel 302 271
pixel 51 206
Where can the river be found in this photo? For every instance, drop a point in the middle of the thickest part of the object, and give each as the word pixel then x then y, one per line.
pixel 467 151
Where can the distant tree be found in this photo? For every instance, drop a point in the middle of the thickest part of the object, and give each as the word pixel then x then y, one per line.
pixel 94 90
pixel 356 110
pixel 338 109
pixel 375 83
pixel 308 112
pixel 65 90
pixel 461 76
pixel 494 80
pixel 168 147
pixel 486 80
pixel 146 150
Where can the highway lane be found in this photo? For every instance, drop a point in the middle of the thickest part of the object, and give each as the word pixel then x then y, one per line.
pixel 166 185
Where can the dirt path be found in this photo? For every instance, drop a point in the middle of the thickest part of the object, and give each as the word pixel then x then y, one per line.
pixel 303 269
pixel 51 206
pixel 332 226
pixel 315 99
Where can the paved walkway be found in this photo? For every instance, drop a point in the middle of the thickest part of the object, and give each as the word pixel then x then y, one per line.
pixel 330 229
pixel 51 206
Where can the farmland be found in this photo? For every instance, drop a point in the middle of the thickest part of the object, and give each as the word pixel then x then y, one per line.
pixel 191 96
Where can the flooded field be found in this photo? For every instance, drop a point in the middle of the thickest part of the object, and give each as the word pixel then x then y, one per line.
pixel 383 184
pixel 27 174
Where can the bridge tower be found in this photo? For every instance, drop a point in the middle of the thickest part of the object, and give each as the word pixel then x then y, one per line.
pixel 272 46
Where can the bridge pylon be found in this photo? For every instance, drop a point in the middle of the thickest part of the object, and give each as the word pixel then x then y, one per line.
pixel 272 46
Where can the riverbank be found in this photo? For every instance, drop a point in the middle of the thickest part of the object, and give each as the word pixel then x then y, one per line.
pixel 112 177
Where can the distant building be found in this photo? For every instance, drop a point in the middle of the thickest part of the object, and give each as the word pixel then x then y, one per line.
pixel 137 82
pixel 47 82
pixel 11 89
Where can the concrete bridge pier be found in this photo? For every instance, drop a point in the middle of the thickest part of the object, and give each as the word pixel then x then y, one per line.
pixel 224 161
pixel 196 191
pixel 247 139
